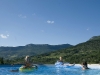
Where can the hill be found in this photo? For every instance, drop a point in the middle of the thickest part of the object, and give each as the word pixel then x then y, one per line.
pixel 95 38
pixel 30 49
pixel 89 50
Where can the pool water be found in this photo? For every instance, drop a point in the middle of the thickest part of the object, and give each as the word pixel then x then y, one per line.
pixel 48 70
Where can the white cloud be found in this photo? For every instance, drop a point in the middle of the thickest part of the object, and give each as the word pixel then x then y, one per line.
pixel 21 16
pixel 4 36
pixel 87 29
pixel 42 30
pixel 50 22
pixel 7 35
pixel 24 17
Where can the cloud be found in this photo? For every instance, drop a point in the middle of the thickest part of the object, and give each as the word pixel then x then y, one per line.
pixel 4 36
pixel 50 22
pixel 7 35
pixel 87 29
pixel 42 30
pixel 21 16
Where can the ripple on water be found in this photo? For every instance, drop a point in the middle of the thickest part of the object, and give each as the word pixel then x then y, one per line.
pixel 50 70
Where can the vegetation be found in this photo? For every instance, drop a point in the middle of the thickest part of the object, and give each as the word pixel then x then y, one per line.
pixel 1 61
pixel 89 50
pixel 30 49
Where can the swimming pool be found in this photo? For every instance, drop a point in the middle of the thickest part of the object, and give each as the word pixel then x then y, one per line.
pixel 49 70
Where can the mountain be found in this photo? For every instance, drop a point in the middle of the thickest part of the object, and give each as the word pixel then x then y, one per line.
pixel 30 49
pixel 95 38
pixel 89 51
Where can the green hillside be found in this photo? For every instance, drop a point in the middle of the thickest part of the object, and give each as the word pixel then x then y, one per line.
pixel 94 38
pixel 30 49
pixel 89 51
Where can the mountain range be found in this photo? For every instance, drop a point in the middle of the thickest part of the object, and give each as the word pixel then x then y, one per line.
pixel 86 51
pixel 49 54
pixel 29 49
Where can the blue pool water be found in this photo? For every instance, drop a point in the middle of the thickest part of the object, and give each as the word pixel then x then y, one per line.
pixel 48 70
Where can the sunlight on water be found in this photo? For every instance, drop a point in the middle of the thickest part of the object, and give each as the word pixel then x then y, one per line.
pixel 51 70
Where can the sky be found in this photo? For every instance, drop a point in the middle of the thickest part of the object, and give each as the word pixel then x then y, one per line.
pixel 51 22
